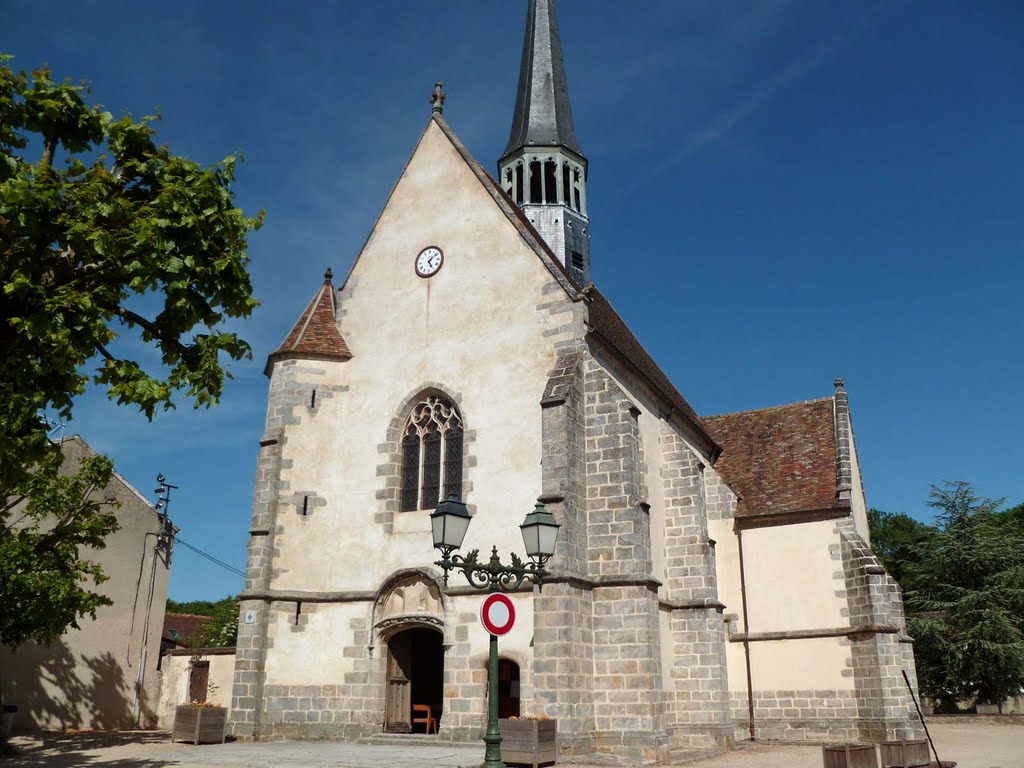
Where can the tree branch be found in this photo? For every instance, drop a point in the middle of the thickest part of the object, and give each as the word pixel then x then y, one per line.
pixel 149 325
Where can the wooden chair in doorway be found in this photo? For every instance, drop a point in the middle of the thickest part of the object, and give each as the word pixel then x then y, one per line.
pixel 427 718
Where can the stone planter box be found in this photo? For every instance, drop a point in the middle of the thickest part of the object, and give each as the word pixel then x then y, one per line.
pixel 529 742
pixel 905 754
pixel 200 725
pixel 986 709
pixel 849 756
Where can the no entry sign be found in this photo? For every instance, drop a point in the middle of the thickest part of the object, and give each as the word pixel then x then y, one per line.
pixel 497 614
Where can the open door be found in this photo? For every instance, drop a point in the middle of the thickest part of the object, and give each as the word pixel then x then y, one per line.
pixel 398 705
pixel 415 684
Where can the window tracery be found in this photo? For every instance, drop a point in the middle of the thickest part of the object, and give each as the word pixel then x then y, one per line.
pixel 432 452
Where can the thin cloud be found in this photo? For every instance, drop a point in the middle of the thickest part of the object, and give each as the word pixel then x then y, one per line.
pixel 807 62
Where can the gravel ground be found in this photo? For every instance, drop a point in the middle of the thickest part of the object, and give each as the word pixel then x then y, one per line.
pixel 972 742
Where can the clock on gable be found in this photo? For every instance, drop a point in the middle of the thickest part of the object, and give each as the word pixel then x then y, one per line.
pixel 429 261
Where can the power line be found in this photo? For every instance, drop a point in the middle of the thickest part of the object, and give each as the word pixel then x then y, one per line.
pixel 210 557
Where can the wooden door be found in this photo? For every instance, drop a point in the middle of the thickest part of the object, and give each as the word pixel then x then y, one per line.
pixel 399 692
pixel 198 682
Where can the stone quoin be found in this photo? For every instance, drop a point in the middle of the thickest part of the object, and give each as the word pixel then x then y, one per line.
pixel 712 577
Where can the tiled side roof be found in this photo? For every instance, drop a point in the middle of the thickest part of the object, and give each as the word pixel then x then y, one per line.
pixel 607 323
pixel 780 459
pixel 316 333
pixel 183 628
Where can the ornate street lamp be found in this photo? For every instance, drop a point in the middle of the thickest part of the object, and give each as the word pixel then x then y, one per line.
pixel 449 523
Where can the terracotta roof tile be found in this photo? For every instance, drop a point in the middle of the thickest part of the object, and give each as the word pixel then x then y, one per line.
pixel 183 628
pixel 316 333
pixel 780 459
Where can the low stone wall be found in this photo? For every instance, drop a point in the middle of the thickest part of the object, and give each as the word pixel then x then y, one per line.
pixel 798 716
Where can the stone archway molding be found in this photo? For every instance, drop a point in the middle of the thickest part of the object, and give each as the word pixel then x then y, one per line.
pixel 409 598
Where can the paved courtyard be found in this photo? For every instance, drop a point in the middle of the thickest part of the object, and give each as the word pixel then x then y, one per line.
pixel 973 743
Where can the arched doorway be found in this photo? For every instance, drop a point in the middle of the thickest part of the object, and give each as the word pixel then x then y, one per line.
pixel 415 681
pixel 508 688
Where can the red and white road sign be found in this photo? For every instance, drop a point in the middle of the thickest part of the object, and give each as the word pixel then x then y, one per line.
pixel 497 614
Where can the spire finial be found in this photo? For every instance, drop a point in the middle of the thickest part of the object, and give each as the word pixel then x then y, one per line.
pixel 839 383
pixel 437 98
pixel 328 275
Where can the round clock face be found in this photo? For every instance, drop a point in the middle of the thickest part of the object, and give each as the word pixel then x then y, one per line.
pixel 429 262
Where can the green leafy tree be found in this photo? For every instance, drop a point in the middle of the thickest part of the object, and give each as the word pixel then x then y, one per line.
pixel 222 631
pixel 898 540
pixel 193 607
pixel 44 578
pixel 104 233
pixel 86 242
pixel 967 602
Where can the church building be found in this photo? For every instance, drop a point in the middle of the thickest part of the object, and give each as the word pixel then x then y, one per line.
pixel 712 579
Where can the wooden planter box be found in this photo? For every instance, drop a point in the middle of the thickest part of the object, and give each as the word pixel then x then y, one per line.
pixel 849 756
pixel 200 725
pixel 528 742
pixel 905 754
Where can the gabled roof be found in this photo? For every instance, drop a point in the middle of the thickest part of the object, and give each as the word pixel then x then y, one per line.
pixel 542 115
pixel 604 320
pixel 87 451
pixel 780 460
pixel 514 214
pixel 183 628
pixel 609 326
pixel 315 335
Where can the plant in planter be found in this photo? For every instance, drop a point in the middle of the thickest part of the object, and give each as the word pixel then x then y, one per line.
pixel 200 721
pixel 529 740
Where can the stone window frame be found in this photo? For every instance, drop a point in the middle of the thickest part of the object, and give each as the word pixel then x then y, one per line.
pixel 389 470
pixel 432 416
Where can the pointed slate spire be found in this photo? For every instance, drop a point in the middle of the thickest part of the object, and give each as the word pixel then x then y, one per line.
pixel 315 336
pixel 542 116
pixel 543 169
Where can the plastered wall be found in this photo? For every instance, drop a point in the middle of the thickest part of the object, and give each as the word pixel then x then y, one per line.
pixel 174 682
pixel 86 678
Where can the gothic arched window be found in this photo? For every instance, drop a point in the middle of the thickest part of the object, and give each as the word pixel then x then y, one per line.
pixel 431 454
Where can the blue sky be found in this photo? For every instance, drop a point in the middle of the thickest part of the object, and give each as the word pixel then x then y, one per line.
pixel 781 192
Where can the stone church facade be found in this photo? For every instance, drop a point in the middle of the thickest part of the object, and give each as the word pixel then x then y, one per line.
pixel 712 579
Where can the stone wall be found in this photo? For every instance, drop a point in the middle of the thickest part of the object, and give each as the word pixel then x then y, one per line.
pixel 629 700
pixel 290 403
pixel 880 652
pixel 805 715
pixel 699 715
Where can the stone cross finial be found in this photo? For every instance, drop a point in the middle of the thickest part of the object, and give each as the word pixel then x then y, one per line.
pixel 437 98
pixel 328 275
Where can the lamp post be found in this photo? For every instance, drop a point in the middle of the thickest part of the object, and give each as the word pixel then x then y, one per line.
pixel 449 523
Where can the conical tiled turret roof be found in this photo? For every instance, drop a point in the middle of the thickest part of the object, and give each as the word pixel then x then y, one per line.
pixel 542 116
pixel 316 333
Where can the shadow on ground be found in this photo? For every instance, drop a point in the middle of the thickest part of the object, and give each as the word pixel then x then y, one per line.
pixel 73 749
